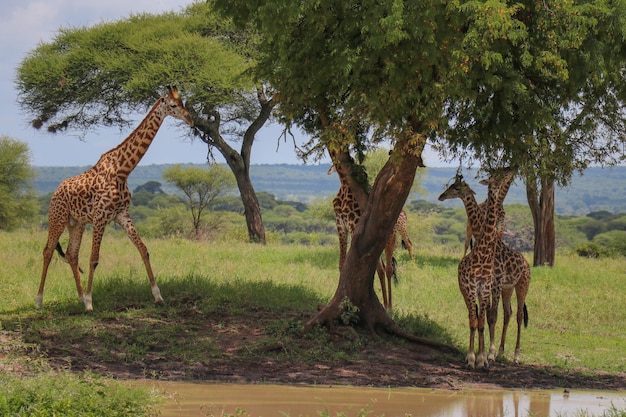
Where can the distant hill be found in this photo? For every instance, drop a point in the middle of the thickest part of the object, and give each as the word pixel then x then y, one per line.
pixel 598 189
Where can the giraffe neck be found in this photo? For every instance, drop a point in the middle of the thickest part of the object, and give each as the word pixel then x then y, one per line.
pixel 503 189
pixel 474 215
pixel 128 153
pixel 486 240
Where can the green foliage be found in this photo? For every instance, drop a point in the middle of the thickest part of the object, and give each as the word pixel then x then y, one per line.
pixel 617 223
pixel 614 241
pixel 200 186
pixel 166 222
pixel 17 199
pixel 152 187
pixel 590 250
pixel 539 81
pixel 349 312
pixel 91 75
pixel 56 394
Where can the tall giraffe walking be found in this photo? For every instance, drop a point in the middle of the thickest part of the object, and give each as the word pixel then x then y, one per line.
pixel 100 195
pixel 347 214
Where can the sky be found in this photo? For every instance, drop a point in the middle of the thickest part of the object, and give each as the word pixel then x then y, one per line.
pixel 26 23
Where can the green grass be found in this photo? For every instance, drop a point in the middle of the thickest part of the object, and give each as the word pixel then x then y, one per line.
pixel 576 308
pixel 63 394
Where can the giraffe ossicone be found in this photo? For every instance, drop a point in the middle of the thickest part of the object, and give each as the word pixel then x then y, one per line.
pixel 100 195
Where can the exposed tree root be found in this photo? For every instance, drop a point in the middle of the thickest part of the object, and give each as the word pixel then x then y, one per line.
pixel 377 318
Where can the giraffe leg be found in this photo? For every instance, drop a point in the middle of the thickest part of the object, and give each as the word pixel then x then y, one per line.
pixel 507 310
pixel 389 267
pixel 468 293
pixel 473 325
pixel 483 306
pixel 56 226
pixel 127 224
pixel 522 313
pixel 380 270
pixel 492 317
pixel 98 232
pixel 73 249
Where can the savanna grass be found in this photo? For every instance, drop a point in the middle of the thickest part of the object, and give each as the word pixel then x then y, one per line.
pixel 576 308
pixel 64 394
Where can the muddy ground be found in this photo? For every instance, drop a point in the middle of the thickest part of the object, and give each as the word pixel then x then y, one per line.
pixel 246 355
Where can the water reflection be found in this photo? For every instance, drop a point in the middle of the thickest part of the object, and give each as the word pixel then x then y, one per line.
pixel 209 399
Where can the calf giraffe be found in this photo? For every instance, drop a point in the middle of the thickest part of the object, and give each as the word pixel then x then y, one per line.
pixel 100 195
pixel 511 268
pixel 347 213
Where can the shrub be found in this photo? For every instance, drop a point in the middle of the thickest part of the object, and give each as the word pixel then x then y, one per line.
pixel 614 241
pixel 590 250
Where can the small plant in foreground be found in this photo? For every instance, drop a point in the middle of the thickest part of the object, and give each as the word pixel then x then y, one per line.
pixel 349 312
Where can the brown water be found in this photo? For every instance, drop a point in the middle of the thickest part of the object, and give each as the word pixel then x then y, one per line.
pixel 210 399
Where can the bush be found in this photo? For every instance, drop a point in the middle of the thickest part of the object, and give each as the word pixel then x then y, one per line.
pixel 614 241
pixel 590 250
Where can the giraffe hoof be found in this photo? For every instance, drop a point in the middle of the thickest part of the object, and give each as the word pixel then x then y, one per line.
pixel 482 362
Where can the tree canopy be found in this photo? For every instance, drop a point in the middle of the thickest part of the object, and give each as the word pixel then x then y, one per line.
pixel 479 78
pixel 98 75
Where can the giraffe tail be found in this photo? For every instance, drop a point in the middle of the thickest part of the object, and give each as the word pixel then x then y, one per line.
pixel 59 249
pixel 404 246
pixel 394 274
pixel 525 316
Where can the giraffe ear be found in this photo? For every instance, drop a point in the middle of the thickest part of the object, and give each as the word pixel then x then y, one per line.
pixel 174 91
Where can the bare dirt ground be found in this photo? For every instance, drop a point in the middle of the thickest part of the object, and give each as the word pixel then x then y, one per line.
pixel 247 356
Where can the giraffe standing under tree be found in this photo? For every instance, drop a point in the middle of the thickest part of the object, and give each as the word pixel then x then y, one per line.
pixel 512 271
pixel 476 276
pixel 347 214
pixel 100 195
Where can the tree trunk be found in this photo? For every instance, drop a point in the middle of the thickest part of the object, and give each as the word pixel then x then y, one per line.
pixel 540 195
pixel 379 211
pixel 239 163
pixel 252 209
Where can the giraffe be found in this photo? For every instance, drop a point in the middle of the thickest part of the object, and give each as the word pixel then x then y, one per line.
pixel 477 282
pixel 347 213
pixel 100 195
pixel 512 271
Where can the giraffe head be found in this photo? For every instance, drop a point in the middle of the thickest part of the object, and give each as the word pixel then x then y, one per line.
pixel 499 181
pixel 458 189
pixel 173 106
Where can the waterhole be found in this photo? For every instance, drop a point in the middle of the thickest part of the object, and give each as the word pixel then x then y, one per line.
pixel 212 399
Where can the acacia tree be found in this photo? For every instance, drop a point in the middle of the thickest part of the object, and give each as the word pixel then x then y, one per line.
pixel 200 186
pixel 92 76
pixel 550 100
